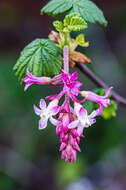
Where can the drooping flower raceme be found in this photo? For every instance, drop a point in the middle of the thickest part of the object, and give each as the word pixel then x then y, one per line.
pixel 69 122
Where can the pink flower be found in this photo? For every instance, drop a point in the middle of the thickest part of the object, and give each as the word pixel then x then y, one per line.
pixel 68 153
pixel 103 101
pixel 70 85
pixel 64 119
pixel 83 119
pixel 31 79
pixel 46 113
pixel 73 142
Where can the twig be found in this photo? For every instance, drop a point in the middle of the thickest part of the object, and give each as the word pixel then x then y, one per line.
pixel 115 96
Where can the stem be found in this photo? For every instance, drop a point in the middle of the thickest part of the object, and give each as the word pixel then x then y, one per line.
pixel 66 59
pixel 66 65
pixel 115 96
pixel 67 38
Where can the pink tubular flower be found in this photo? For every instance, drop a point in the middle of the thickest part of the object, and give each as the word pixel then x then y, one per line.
pixel 83 119
pixel 63 118
pixel 69 154
pixel 31 79
pixel 47 112
pixel 103 101
pixel 70 147
pixel 70 85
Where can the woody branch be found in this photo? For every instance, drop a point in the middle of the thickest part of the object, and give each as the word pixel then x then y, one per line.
pixel 115 96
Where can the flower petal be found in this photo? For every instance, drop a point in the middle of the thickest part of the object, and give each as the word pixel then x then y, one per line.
pixel 37 110
pixel 52 97
pixel 82 112
pixel 27 86
pixel 28 73
pixel 93 114
pixel 80 130
pixel 75 88
pixel 105 102
pixel 65 119
pixel 64 76
pixel 73 124
pixel 42 104
pixel 24 79
pixel 77 84
pixel 77 108
pixel 54 121
pixel 55 110
pixel 63 146
pixel 55 96
pixel 92 121
pixel 74 76
pixel 99 110
pixel 42 124
pixel 75 99
pixel 52 104
pixel 107 92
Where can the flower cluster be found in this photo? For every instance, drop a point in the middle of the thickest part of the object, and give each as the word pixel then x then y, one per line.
pixel 70 118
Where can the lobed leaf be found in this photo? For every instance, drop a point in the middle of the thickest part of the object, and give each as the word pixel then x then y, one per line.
pixel 80 39
pixel 41 57
pixel 74 22
pixel 56 7
pixel 71 22
pixel 58 25
pixel 110 111
pixel 85 8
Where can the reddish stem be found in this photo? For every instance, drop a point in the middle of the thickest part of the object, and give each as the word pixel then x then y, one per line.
pixel 115 96
pixel 66 59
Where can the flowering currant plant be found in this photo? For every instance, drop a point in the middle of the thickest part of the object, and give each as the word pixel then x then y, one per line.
pixel 47 61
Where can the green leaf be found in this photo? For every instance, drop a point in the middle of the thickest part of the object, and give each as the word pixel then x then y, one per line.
pixel 89 106
pixel 56 7
pixel 85 8
pixel 88 11
pixel 80 39
pixel 74 22
pixel 110 111
pixel 41 57
pixel 58 25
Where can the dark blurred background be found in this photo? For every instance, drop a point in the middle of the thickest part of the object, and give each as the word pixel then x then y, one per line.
pixel 29 159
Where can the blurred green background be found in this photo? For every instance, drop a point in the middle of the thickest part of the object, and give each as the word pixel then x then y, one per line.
pixel 29 159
